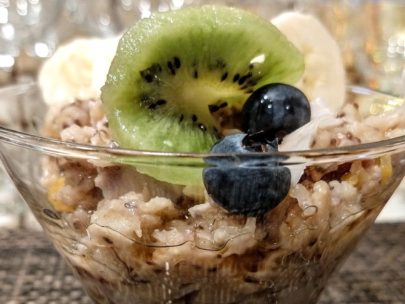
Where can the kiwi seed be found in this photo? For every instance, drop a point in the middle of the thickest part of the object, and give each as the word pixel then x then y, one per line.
pixel 243 79
pixel 177 62
pixel 160 102
pixel 171 68
pixel 150 74
pixel 213 108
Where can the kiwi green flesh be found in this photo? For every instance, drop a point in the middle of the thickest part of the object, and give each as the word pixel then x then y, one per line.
pixel 175 69
pixel 186 176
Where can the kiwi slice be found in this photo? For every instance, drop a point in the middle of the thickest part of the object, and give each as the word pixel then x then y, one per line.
pixel 174 71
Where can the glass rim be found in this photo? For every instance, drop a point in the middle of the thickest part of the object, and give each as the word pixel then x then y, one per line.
pixel 57 147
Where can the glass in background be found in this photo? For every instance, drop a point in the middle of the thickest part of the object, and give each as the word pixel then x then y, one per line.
pixel 26 27
pixel 110 17
pixel 371 34
pixel 382 60
pixel 105 18
pixel 94 17
pixel 12 210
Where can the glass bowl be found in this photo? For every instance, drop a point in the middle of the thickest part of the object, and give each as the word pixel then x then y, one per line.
pixel 131 238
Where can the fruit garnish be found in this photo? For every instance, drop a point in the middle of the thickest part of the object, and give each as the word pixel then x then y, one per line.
pixel 358 176
pixel 255 186
pixel 77 70
pixel 53 190
pixel 274 111
pixel 324 76
pixel 178 75
pixel 245 186
pixel 386 168
pixel 174 71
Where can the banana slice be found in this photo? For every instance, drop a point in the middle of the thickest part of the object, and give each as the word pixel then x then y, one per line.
pixel 324 75
pixel 77 70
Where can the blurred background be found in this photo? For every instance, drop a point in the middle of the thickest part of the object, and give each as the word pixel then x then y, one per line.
pixel 371 34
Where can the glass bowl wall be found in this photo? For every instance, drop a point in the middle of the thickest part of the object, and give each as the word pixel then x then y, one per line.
pixel 133 239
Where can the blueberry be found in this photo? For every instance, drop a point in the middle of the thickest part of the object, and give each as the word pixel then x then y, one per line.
pixel 275 110
pixel 245 185
pixel 233 144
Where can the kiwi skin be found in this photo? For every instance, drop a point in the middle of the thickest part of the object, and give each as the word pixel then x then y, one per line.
pixel 178 75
